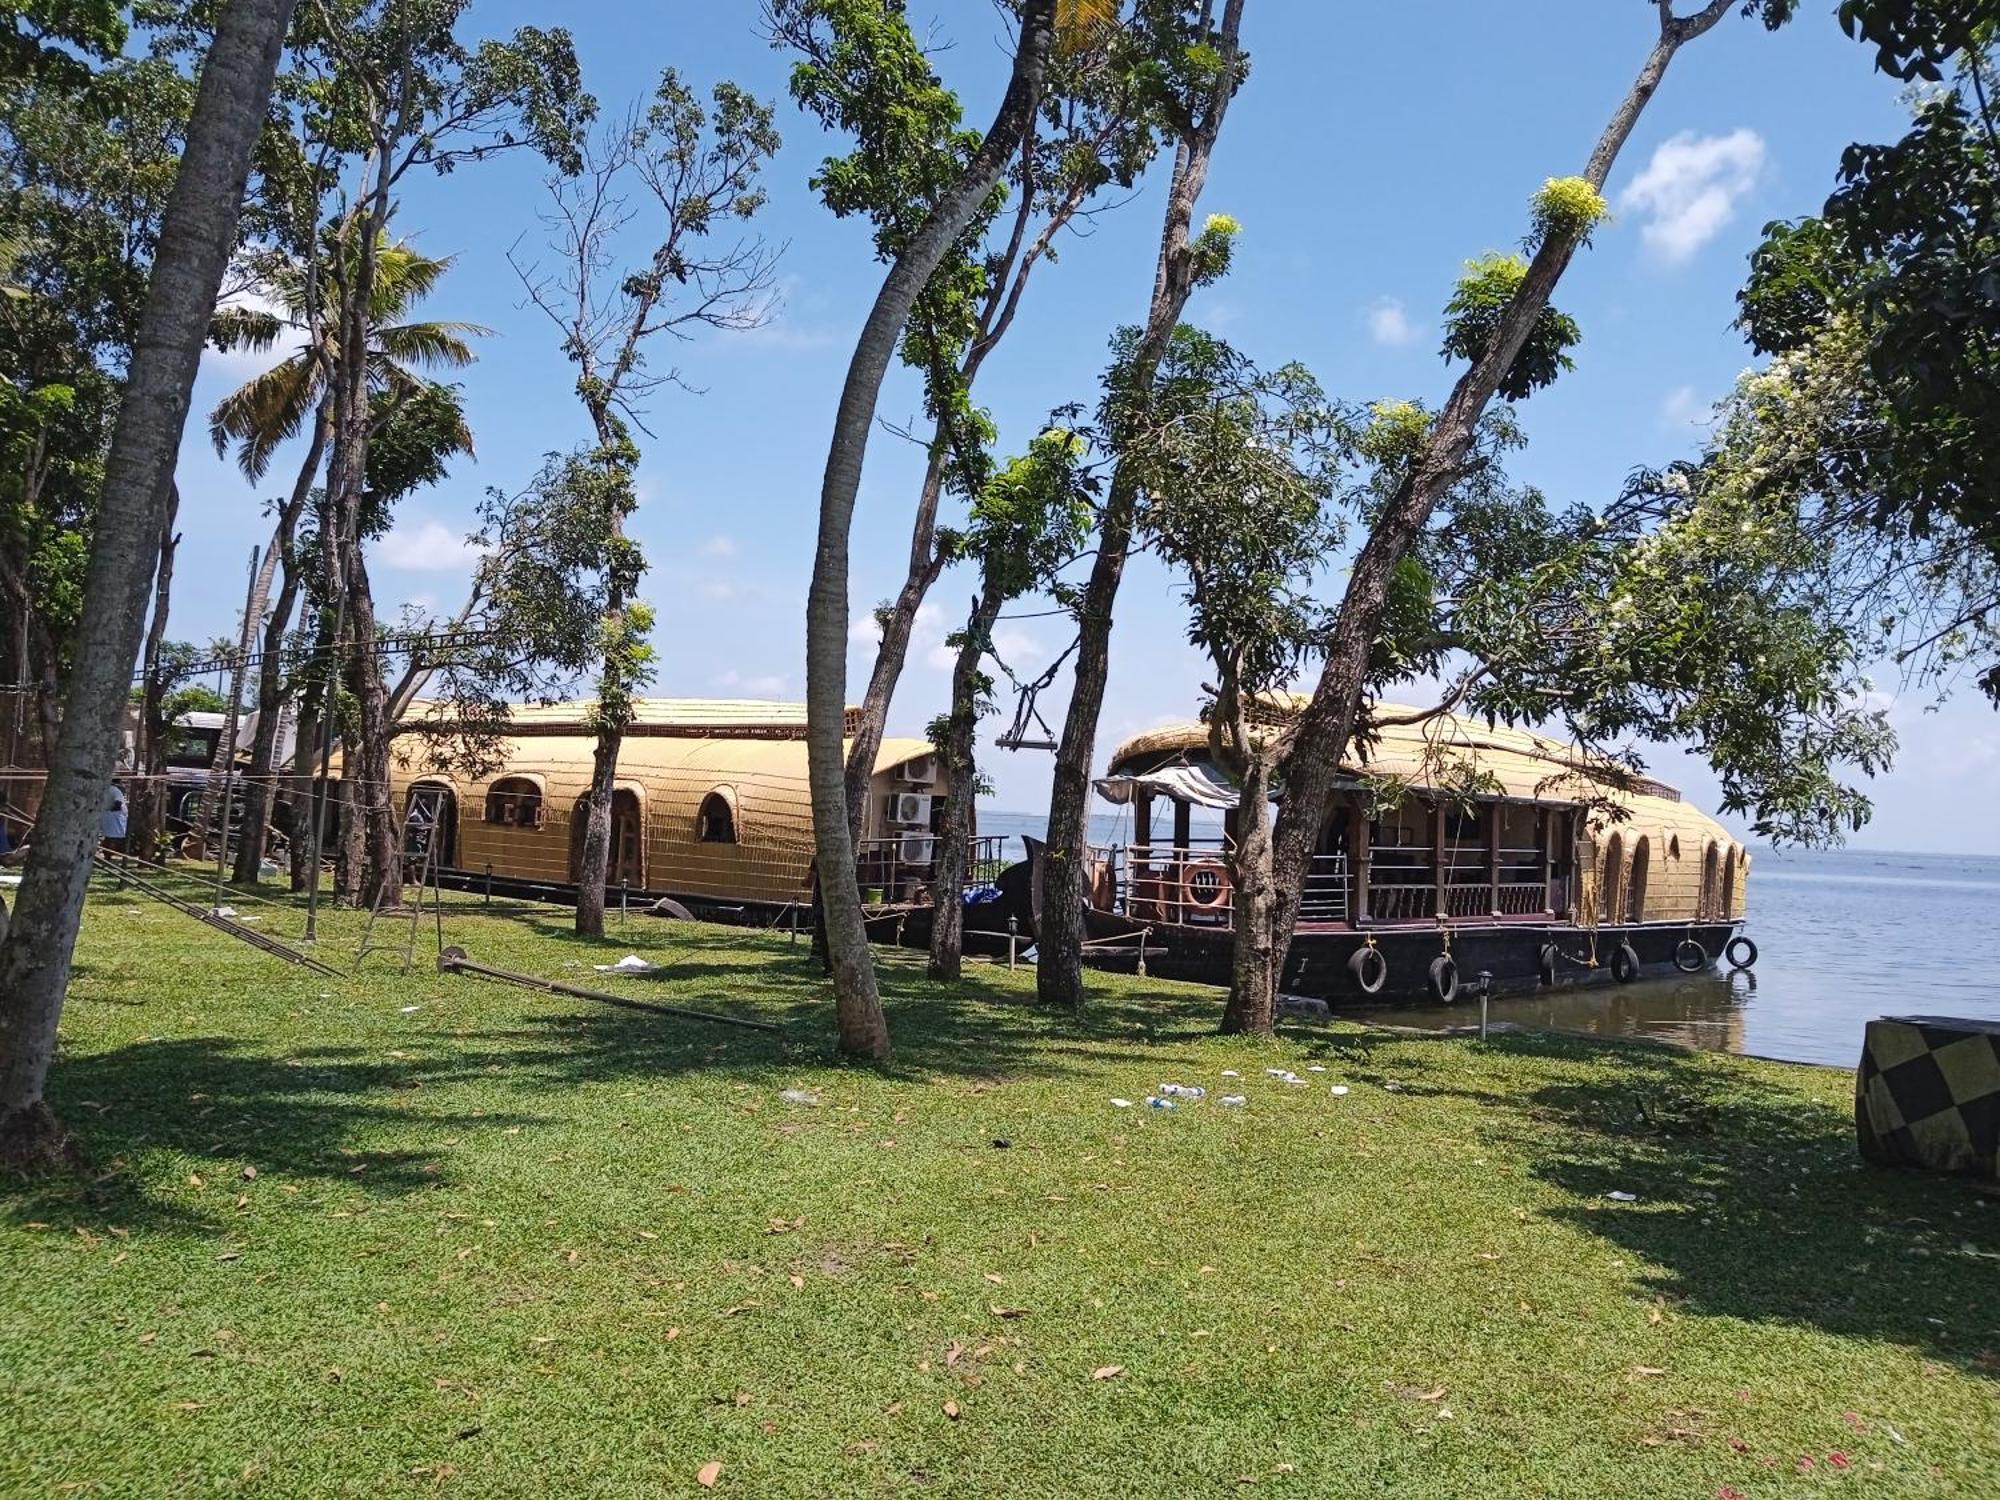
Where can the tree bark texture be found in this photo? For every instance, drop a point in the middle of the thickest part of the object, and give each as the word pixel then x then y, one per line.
pixel 1252 1007
pixel 961 760
pixel 1065 877
pixel 863 1030
pixel 197 234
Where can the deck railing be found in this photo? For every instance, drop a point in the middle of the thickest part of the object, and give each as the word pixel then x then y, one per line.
pixel 1195 885
pixel 902 868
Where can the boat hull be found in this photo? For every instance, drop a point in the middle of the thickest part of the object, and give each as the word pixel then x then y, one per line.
pixel 1317 966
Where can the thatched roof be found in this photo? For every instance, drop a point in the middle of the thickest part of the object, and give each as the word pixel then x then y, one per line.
pixel 690 718
pixel 1524 766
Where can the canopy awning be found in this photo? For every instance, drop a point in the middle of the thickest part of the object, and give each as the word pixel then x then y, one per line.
pixel 1201 785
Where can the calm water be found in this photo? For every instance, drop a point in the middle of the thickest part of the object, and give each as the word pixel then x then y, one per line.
pixel 1844 935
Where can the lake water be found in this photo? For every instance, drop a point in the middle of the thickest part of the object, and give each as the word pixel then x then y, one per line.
pixel 1843 936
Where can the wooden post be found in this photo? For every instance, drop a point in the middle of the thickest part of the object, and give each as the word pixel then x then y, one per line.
pixel 1494 817
pixel 1545 835
pixel 1438 873
pixel 1358 822
pixel 1183 811
pixel 1142 818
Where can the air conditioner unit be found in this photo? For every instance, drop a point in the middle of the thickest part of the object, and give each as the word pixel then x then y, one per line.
pixel 920 772
pixel 915 848
pixel 910 809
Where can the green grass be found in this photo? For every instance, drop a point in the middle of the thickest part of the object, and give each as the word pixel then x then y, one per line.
pixel 512 1244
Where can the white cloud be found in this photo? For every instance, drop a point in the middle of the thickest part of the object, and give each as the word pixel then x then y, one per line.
pixel 426 547
pixel 1684 407
pixel 718 546
pixel 756 685
pixel 1389 323
pixel 1690 189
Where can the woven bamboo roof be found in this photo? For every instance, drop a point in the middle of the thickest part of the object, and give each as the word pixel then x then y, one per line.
pixel 691 718
pixel 1524 765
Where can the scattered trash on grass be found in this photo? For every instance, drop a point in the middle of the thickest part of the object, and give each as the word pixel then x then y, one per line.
pixel 222 911
pixel 1315 1067
pixel 1337 1090
pixel 410 1010
pixel 1616 1196
pixel 631 963
pixel 1393 1087
pixel 800 1096
pixel 1121 1103
pixel 1182 1091
pixel 1234 1101
pixel 1161 1104
pixel 1283 1075
pixel 1231 1073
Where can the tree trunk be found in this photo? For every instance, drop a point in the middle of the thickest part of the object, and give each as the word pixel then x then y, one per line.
pixel 863 1029
pixel 894 649
pixel 961 758
pixel 370 796
pixel 259 790
pixel 1327 724
pixel 308 818
pixel 1252 1008
pixel 595 872
pixel 1066 858
pixel 196 236
pixel 147 804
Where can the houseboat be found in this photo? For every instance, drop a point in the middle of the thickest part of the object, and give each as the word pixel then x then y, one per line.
pixel 1454 850
pixel 711 809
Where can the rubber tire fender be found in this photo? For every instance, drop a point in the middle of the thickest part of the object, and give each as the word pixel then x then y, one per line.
pixel 1444 978
pixel 1690 957
pixel 1545 963
pixel 1740 941
pixel 1625 963
pixel 1370 970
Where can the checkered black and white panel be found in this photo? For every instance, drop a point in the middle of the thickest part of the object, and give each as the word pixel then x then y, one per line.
pixel 1927 1094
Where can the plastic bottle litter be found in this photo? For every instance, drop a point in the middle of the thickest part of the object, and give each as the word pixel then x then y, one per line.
pixel 1157 1103
pixel 1231 1073
pixel 1619 1197
pixel 1315 1068
pixel 1337 1090
pixel 1284 1075
pixel 800 1096
pixel 1234 1101
pixel 1182 1091
pixel 1121 1103
pixel 410 1010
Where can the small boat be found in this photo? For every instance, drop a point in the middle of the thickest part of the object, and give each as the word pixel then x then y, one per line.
pixel 1455 854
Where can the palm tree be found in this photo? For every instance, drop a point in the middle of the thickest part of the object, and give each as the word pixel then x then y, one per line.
pixel 196 236
pixel 273 407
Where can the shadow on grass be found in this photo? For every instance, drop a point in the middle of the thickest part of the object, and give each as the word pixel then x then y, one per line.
pixel 1753 1202
pixel 366 1118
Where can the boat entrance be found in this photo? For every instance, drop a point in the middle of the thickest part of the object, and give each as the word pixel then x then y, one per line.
pixel 627 865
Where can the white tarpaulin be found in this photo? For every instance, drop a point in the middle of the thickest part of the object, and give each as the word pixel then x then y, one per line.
pixel 1201 785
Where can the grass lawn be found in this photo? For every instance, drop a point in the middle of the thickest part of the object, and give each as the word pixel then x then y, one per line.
pixel 421 1235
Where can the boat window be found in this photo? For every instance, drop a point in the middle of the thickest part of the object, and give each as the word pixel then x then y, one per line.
pixel 1462 824
pixel 514 801
pixel 716 822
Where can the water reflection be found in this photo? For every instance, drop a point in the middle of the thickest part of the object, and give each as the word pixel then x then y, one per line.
pixel 1696 1010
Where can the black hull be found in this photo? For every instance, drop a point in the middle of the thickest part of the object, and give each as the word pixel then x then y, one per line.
pixel 1318 963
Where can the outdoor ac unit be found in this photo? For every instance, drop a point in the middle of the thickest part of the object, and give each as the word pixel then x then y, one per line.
pixel 915 848
pixel 920 772
pixel 911 809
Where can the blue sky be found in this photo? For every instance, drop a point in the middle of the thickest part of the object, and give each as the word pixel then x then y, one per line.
pixel 1374 148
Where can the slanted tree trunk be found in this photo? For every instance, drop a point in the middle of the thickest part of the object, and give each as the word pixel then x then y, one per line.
pixel 1252 1007
pixel 595 874
pixel 196 236
pixel 961 758
pixel 148 799
pixel 1327 724
pixel 259 792
pixel 894 649
pixel 1065 875
pixel 863 1030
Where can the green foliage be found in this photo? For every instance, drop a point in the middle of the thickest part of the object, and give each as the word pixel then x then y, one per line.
pixel 1566 210
pixel 1476 310
pixel 1898 271
pixel 1237 465
pixel 1033 515
pixel 1210 253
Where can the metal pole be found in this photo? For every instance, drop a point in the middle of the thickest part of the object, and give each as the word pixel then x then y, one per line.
pixel 230 729
pixel 1013 935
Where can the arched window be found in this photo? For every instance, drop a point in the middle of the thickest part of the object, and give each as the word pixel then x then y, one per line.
pixel 716 822
pixel 514 801
pixel 1635 887
pixel 1611 880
